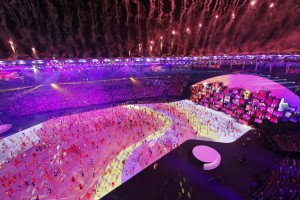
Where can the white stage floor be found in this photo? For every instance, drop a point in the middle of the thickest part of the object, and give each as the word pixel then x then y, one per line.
pixel 87 155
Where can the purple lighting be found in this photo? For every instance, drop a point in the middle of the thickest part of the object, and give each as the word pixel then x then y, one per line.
pixel 273 59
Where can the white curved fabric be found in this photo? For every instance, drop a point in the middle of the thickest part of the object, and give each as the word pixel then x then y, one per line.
pixel 208 155
pixel 5 127
pixel 212 165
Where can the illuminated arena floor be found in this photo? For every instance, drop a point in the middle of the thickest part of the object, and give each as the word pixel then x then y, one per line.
pixel 89 154
pixel 178 175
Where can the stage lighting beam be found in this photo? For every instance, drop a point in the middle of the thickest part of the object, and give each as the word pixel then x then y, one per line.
pixel 55 86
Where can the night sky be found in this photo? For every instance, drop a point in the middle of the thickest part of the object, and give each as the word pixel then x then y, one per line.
pixel 111 28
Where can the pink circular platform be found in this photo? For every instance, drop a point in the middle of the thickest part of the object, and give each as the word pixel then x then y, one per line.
pixel 4 128
pixel 208 155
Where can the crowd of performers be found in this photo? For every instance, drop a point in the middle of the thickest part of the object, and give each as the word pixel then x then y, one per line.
pixel 73 153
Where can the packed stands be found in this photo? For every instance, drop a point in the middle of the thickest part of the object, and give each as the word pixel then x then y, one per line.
pixel 283 182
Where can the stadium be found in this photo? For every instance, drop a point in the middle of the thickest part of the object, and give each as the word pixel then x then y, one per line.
pixel 175 104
